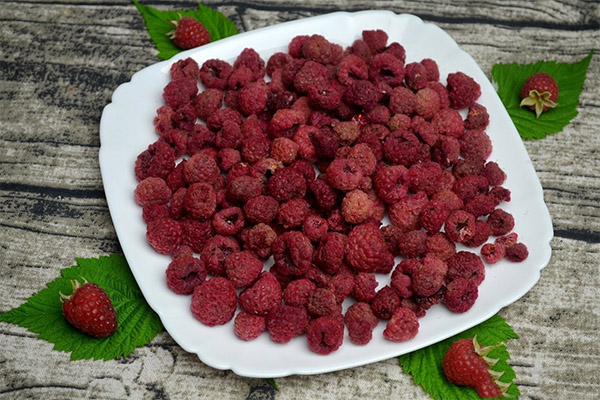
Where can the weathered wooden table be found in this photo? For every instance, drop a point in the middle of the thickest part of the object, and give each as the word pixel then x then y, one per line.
pixel 61 61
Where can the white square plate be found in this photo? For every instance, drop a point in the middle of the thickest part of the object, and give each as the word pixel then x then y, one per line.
pixel 126 129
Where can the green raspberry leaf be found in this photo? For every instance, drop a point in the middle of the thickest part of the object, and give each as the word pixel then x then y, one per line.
pixel 159 25
pixel 272 382
pixel 137 323
pixel 569 77
pixel 425 365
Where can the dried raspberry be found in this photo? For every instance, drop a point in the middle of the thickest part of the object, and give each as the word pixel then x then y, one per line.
pixel 399 122
pixel 163 121
pixel 450 198
pixel 325 335
pixel 214 73
pixel 176 207
pixel 252 98
pixel 326 197
pixel 402 326
pixel 460 295
pixel 155 211
pixel 468 186
pixel 517 252
pixel 177 139
pixel 318 49
pixel 389 183
pixel 426 176
pixel 366 250
pixel 284 150
pixel 201 168
pixel 402 101
pixel 286 322
pixel 242 268
pixel 248 327
pixel 196 233
pixel 158 160
pixel 326 144
pixel 508 239
pixel 164 235
pixel 360 321
pixel 244 188
pixel 305 169
pixel 492 252
pixel 179 92
pixel 428 103
pixel 264 169
pixel 286 184
pixel 229 136
pixel 363 94
pixel 259 240
pixel 315 228
pixel 152 191
pixel 434 215
pixel 261 209
pixel 460 226
pixel 207 102
pixel 466 265
pixel 214 301
pixel 264 295
pixel 321 302
pixel 310 74
pixel 385 302
pixel 501 222
pixel 342 285
pixel 446 151
pixel 364 287
pixel 426 280
pixel 186 68
pixel 440 245
pixel 184 274
pixel 292 253
pixel 347 132
pixel 255 148
pixel 361 49
pixel 229 221
pixel 352 68
pixel 482 233
pixel 251 59
pixel 200 200
pixel 448 122
pixel 405 213
pixel 402 147
pixel 325 95
pixel 344 174
pixel 297 292
pixel 475 144
pixel 329 254
pixel 200 138
pixel 412 244
pixel 386 68
pixel 463 91
pixel 480 205
pixel 356 206
pixel 379 115
pixel 415 76
pixel 401 282
pixel 227 158
pixel 215 251
pixel 477 118
pixel 184 118
pixel 493 173
pixel 292 213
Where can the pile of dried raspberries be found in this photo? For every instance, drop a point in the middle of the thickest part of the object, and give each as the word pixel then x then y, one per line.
pixel 301 168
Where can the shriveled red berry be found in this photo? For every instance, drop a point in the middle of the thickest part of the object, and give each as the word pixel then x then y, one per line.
pixel 214 301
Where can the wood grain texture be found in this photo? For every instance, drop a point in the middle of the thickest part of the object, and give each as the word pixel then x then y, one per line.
pixel 60 62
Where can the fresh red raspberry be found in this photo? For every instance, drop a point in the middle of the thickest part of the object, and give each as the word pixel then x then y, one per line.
pixel 448 122
pixel 196 232
pixel 385 302
pixel 402 326
pixel 460 226
pixel 90 310
pixel 184 274
pixel 463 91
pixel 286 184
pixel 292 253
pixel 465 364
pixel 215 251
pixel 363 94
pixel 482 234
pixel 325 335
pixel 214 301
pixel 405 213
pixel 200 200
pixel 180 92
pixel 517 252
pixel 158 160
pixel 189 33
pixel 164 235
pixel 440 245
pixel 315 228
pixel 364 287
pixel 286 322
pixel 492 252
pixel 501 222
pixel 292 213
pixel 460 295
pixel 475 144
pixel 321 302
pixel 297 292
pixel 264 295
pixel 366 249
pixel 152 191
pixel 477 118
pixel 248 327
pixel 539 93
pixel 390 184
pixel 386 68
pixel 466 265
pixel 242 268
